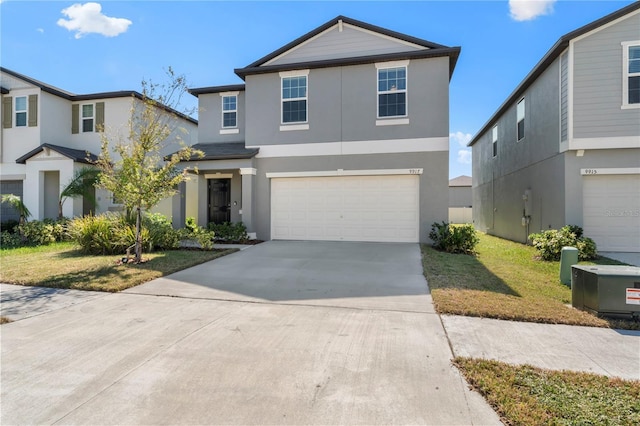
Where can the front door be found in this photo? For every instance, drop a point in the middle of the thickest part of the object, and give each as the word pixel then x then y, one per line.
pixel 219 200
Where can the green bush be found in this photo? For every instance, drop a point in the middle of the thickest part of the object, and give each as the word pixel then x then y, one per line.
pixel 9 225
pixel 59 228
pixel 161 233
pixel 102 234
pixel 37 233
pixel 227 231
pixel 549 243
pixel 10 240
pixel 454 239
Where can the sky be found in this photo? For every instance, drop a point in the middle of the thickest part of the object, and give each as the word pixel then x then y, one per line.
pixel 90 47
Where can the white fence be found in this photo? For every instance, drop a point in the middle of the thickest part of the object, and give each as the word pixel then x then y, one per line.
pixel 460 215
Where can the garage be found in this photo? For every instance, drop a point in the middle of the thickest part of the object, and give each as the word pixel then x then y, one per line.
pixel 346 208
pixel 611 211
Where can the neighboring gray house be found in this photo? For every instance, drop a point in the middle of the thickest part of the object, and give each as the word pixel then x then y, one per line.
pixel 341 134
pixel 460 200
pixel 564 148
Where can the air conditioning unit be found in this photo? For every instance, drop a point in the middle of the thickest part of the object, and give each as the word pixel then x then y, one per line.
pixel 606 289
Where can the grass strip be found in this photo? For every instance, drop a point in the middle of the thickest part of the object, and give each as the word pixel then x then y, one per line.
pixel 505 281
pixel 525 395
pixel 61 265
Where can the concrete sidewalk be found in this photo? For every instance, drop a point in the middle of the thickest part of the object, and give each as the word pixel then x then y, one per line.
pixel 614 353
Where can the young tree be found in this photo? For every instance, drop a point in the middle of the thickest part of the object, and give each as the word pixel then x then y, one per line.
pixel 138 175
pixel 80 185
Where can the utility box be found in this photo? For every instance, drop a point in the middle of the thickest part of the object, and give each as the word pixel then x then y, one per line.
pixel 606 289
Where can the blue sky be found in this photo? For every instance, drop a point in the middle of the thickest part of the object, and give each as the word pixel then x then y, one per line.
pixel 114 45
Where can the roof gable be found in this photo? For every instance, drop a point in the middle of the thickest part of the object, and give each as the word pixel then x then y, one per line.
pixel 344 41
pixel 77 155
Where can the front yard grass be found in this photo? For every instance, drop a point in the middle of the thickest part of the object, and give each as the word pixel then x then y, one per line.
pixel 61 265
pixel 524 395
pixel 504 281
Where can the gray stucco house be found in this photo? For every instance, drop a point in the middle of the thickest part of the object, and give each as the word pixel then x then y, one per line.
pixel 342 134
pixel 564 148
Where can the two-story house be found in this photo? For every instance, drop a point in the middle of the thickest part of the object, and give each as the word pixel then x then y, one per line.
pixel 342 134
pixel 564 148
pixel 48 134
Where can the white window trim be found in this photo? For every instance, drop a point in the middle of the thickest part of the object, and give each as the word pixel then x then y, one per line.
pixel 626 74
pixel 294 125
pixel 92 118
pixel 222 111
pixel 494 141
pixel 524 117
pixel 25 111
pixel 389 65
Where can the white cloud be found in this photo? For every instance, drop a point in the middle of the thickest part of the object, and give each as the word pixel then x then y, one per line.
pixel 526 10
pixel 462 139
pixel 88 18
pixel 464 156
pixel 40 30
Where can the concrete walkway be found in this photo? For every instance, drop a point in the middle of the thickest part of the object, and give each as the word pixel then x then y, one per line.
pixel 280 333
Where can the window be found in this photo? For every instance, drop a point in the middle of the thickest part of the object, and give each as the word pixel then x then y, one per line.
pixel 520 116
pixel 494 140
pixel 229 111
pixel 631 80
pixel 87 118
pixel 392 92
pixel 21 111
pixel 294 99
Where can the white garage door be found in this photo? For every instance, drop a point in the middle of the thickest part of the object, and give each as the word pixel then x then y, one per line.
pixel 612 211
pixel 345 208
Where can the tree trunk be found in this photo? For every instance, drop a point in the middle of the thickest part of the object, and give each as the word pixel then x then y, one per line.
pixel 60 209
pixel 138 258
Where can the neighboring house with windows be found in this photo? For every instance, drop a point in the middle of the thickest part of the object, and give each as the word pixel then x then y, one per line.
pixel 564 148
pixel 341 134
pixel 460 200
pixel 48 133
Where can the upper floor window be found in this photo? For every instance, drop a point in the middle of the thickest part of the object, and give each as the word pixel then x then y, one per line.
pixel 392 92
pixel 21 111
pixel 87 118
pixel 229 111
pixel 294 99
pixel 520 117
pixel 494 140
pixel 631 80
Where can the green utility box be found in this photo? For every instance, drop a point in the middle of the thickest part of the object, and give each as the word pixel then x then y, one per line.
pixel 606 289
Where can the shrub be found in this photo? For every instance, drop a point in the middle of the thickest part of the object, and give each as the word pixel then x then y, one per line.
pixel 454 239
pixel 99 234
pixel 59 228
pixel 9 225
pixel 549 243
pixel 37 233
pixel 10 239
pixel 229 231
pixel 161 232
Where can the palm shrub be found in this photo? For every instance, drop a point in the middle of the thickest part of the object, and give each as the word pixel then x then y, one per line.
pixel 100 234
pixel 549 243
pixel 454 238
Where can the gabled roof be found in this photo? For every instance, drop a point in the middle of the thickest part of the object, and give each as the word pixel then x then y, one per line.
pixel 224 151
pixel 429 49
pixel 91 96
pixel 217 89
pixel 553 53
pixel 77 155
pixel 461 181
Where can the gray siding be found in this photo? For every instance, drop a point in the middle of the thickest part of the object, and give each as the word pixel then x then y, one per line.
pixel 564 96
pixel 598 83
pixel 534 163
pixel 210 119
pixel 349 43
pixel 342 105
pixel 433 183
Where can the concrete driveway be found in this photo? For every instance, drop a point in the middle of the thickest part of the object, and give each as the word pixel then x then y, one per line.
pixel 280 333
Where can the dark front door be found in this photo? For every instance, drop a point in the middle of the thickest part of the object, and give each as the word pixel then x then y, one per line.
pixel 219 200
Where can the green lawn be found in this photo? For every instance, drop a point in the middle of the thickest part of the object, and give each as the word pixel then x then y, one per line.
pixel 505 281
pixel 524 395
pixel 61 265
